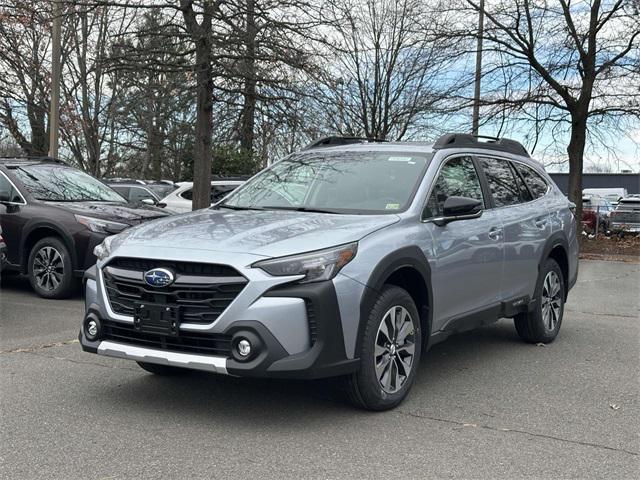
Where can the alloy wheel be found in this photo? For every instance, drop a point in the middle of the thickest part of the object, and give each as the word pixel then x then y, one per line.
pixel 48 268
pixel 394 349
pixel 551 301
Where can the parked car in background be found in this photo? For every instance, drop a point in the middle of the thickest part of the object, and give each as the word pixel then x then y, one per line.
pixel 136 193
pixel 596 210
pixel 349 259
pixel 179 201
pixel 161 188
pixel 626 217
pixel 53 215
pixel 613 195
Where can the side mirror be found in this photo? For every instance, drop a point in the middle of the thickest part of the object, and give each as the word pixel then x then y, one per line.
pixel 148 201
pixel 459 208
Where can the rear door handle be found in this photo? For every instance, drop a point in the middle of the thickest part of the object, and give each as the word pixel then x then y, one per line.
pixel 495 233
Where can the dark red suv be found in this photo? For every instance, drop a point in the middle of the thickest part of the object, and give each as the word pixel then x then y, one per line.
pixel 53 215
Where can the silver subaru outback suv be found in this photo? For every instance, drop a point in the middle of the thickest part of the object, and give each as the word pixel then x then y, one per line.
pixel 347 259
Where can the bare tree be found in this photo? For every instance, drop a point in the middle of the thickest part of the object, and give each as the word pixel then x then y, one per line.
pixel 25 74
pixel 574 63
pixel 388 72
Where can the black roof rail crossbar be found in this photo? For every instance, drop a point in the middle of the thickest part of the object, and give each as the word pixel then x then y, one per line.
pixel 337 140
pixel 31 158
pixel 466 140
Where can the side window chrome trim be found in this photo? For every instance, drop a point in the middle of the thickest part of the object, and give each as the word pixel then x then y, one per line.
pixel 435 179
pixel 24 202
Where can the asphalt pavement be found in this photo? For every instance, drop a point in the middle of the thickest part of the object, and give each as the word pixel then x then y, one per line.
pixel 485 405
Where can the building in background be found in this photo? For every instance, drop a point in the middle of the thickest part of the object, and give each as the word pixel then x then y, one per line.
pixel 630 181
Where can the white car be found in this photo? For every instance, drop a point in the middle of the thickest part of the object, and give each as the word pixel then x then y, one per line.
pixel 179 201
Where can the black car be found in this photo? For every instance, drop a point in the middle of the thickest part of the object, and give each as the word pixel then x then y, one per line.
pixel 53 215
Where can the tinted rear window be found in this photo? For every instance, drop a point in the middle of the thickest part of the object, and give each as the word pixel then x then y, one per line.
pixel 502 183
pixel 537 185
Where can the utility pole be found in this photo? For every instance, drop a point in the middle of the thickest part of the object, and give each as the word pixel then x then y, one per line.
pixel 54 114
pixel 475 122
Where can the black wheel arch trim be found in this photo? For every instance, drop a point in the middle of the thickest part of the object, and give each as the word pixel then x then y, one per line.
pixel 558 239
pixel 35 224
pixel 412 257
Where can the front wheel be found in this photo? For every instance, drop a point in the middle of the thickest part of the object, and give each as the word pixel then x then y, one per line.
pixel 389 354
pixel 542 324
pixel 50 269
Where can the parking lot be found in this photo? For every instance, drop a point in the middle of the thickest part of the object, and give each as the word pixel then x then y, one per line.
pixel 484 404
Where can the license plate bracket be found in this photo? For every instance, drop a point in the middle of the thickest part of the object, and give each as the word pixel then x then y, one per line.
pixel 157 319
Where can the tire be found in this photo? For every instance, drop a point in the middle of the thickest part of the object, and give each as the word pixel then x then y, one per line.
pixel 542 324
pixel 162 370
pixel 50 269
pixel 365 388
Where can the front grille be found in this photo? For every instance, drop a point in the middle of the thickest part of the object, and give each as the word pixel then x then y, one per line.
pixel 184 268
pixel 187 342
pixel 202 291
pixel 628 217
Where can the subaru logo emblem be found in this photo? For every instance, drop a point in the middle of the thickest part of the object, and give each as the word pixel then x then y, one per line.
pixel 159 277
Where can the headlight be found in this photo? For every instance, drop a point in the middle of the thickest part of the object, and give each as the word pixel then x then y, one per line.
pixel 315 266
pixel 99 225
pixel 103 250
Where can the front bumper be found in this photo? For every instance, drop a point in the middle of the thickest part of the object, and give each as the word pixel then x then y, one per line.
pixel 323 355
pixel 625 227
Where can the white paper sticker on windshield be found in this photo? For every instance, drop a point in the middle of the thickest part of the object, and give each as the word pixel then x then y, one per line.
pixel 401 159
pixel 392 206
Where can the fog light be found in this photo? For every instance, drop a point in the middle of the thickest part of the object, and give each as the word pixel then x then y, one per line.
pixel 92 328
pixel 244 347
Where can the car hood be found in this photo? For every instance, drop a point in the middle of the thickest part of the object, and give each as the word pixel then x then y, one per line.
pixel 131 214
pixel 267 233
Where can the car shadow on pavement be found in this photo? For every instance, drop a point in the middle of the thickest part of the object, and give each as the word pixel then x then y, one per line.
pixel 218 398
pixel 17 283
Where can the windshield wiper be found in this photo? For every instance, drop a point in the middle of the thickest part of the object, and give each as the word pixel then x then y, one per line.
pixel 304 209
pixel 235 207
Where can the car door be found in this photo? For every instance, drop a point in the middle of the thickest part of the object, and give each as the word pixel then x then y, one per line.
pixel 468 254
pixel 526 227
pixel 12 218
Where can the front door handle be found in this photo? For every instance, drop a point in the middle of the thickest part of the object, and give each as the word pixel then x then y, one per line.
pixel 495 233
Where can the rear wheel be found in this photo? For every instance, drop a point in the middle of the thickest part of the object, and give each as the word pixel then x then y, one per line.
pixel 162 370
pixel 543 323
pixel 50 269
pixel 389 354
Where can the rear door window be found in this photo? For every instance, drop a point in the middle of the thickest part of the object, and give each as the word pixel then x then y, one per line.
pixel 187 194
pixel 535 182
pixel 502 181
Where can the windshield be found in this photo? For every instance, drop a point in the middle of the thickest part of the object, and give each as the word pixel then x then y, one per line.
pixel 338 182
pixel 58 183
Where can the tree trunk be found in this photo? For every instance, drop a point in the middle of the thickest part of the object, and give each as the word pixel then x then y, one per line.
pixel 576 158
pixel 247 123
pixel 204 125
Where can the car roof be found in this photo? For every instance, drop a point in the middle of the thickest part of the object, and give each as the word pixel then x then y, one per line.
pixel 127 184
